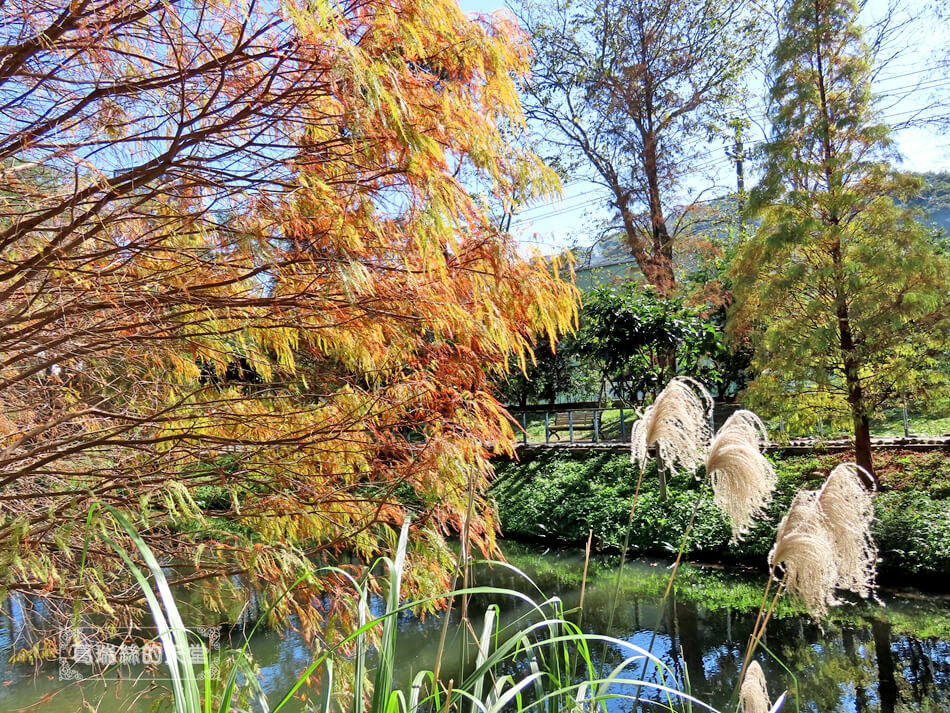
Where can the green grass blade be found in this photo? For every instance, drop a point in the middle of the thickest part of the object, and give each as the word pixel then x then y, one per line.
pixel 161 625
pixel 326 690
pixel 387 645
pixel 484 644
pixel 177 627
pixel 359 657
pixel 418 683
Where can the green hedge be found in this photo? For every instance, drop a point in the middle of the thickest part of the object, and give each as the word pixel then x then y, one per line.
pixel 560 499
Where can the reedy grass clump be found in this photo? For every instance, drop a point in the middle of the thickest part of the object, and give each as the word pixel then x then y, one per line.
pixel 742 479
pixel 823 543
pixel 554 670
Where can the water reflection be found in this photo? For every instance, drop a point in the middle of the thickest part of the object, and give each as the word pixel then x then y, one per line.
pixel 856 662
pixel 867 659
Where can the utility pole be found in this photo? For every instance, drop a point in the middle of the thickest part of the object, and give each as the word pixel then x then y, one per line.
pixel 740 177
pixel 738 154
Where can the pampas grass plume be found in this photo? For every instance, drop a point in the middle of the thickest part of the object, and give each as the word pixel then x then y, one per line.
pixel 742 478
pixel 848 508
pixel 824 542
pixel 804 548
pixel 754 695
pixel 677 422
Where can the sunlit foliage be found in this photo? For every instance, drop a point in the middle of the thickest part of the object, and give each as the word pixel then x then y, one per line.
pixel 843 290
pixel 244 295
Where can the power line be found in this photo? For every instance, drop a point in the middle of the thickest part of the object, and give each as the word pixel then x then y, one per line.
pixel 723 160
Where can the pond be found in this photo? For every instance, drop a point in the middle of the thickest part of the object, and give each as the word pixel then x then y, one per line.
pixel 887 657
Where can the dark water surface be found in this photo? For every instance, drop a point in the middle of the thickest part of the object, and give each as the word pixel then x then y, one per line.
pixel 865 658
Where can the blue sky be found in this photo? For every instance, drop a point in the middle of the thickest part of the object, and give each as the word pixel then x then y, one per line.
pixel 571 221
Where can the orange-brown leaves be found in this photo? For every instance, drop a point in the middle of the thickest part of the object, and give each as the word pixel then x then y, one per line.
pixel 241 274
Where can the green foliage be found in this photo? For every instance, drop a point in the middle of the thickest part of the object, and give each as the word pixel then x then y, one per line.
pixel 626 335
pixel 552 372
pixel 558 499
pixel 913 532
pixel 532 664
pixel 842 289
pixel 628 331
pixel 562 499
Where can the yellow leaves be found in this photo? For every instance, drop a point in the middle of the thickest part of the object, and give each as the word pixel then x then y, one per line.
pixel 46 649
pixel 311 342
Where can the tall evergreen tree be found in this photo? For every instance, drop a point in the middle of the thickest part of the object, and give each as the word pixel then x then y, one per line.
pixel 843 289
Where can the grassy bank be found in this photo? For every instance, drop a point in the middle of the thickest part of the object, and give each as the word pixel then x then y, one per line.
pixel 559 499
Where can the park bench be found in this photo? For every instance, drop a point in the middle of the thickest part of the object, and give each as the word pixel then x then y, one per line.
pixel 562 421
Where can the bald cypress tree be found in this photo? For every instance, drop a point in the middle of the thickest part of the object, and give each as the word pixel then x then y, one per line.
pixel 843 290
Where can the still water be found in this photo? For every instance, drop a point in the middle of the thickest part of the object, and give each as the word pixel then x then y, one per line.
pixel 885 658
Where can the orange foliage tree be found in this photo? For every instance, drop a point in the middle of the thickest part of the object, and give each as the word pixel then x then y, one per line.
pixel 245 295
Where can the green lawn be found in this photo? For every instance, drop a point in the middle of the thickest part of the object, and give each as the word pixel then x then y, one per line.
pixel 892 425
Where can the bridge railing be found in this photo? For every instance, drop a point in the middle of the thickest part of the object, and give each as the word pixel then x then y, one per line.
pixel 591 422
pixel 586 422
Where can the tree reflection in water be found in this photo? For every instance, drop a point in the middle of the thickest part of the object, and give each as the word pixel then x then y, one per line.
pixel 866 659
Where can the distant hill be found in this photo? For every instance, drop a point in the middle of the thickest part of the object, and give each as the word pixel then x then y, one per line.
pixel 934 200
pixel 610 259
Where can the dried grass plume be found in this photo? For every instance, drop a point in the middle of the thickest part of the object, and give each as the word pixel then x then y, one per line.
pixel 677 422
pixel 824 542
pixel 848 507
pixel 754 695
pixel 804 549
pixel 742 478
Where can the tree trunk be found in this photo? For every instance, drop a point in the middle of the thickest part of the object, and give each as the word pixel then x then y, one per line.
pixel 862 447
pixel 654 251
pixel 852 376
pixel 862 429
pixel 859 416
pixel 662 249
pixel 656 267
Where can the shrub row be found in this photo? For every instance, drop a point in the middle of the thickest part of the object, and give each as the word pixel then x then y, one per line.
pixel 559 499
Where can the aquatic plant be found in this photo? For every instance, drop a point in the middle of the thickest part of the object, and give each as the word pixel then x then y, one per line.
pixel 742 478
pixel 551 657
